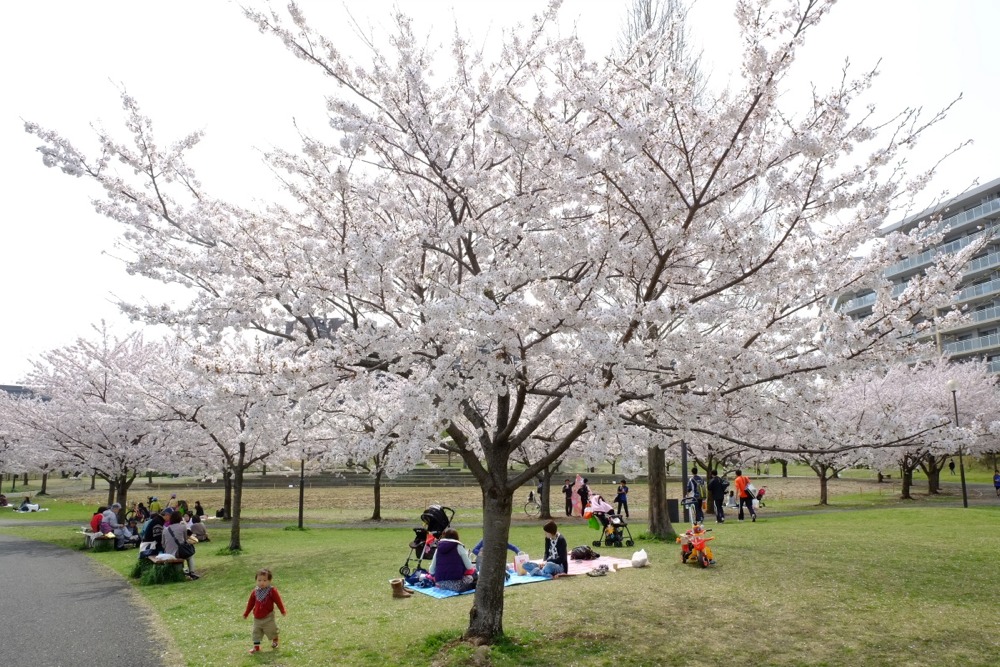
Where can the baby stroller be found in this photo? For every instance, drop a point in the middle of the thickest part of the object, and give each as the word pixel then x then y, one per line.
pixel 435 519
pixel 614 528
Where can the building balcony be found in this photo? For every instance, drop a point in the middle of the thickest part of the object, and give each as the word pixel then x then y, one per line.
pixel 978 291
pixel 916 263
pixel 972 345
pixel 972 215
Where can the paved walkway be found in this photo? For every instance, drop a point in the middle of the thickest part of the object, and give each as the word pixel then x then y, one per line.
pixel 63 610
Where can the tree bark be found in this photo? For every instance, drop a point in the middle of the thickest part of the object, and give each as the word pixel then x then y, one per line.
pixel 659 519
pixel 546 498
pixel 238 470
pixel 377 492
pixel 227 501
pixel 823 489
pixel 907 475
pixel 486 615
pixel 45 484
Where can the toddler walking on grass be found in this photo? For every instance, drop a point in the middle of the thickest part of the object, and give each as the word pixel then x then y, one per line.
pixel 262 601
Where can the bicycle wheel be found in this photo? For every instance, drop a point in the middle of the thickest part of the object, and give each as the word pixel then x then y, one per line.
pixel 532 509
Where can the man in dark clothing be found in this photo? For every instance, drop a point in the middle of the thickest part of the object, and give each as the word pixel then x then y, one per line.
pixel 951 466
pixel 568 492
pixel 584 493
pixel 694 490
pixel 717 490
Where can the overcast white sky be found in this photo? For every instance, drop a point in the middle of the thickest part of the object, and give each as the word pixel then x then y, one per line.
pixel 198 64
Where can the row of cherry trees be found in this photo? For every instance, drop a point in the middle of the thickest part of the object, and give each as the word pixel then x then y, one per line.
pixel 543 251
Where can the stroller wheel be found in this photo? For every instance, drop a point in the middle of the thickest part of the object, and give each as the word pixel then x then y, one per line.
pixel 629 543
pixel 404 571
pixel 596 543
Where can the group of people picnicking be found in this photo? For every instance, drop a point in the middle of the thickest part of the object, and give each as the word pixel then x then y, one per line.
pixel 25 506
pixel 167 532
pixel 452 568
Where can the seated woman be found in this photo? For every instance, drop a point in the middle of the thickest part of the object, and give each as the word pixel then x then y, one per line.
pixel 27 506
pixel 95 521
pixel 556 556
pixel 3 501
pixel 197 528
pixel 451 568
pixel 175 534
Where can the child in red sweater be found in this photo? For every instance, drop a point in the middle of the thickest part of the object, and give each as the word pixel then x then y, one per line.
pixel 262 601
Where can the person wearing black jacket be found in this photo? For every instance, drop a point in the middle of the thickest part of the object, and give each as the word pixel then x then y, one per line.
pixel 717 490
pixel 556 554
pixel 568 492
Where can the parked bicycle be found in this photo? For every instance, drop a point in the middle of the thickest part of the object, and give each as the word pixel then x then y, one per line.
pixel 532 508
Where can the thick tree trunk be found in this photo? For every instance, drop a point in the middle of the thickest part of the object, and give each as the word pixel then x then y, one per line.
pixel 227 498
pixel 377 492
pixel 824 494
pixel 93 481
pixel 907 473
pixel 112 490
pixel 45 484
pixel 933 480
pixel 122 486
pixel 486 615
pixel 546 499
pixel 238 470
pixel 659 519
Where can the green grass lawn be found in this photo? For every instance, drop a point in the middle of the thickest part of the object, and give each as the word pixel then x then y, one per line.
pixel 886 586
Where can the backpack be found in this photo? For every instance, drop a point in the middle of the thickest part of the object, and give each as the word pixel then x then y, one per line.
pixel 583 553
pixel 699 488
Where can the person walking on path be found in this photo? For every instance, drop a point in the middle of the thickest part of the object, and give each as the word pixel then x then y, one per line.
pixel 996 481
pixel 622 498
pixel 717 490
pixel 951 466
pixel 263 599
pixel 568 492
pixel 745 497
pixel 694 489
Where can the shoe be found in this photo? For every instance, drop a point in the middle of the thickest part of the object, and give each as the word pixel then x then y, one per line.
pixel 274 643
pixel 753 518
pixel 255 649
pixel 194 576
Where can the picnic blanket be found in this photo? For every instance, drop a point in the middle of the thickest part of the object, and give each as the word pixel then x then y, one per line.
pixel 585 566
pixel 575 567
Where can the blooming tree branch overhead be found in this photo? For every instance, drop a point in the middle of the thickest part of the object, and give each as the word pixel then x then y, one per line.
pixel 542 248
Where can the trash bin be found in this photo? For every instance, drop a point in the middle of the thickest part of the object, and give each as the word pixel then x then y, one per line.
pixel 673 510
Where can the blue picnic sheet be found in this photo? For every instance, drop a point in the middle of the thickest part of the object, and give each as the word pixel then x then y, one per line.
pixel 514 580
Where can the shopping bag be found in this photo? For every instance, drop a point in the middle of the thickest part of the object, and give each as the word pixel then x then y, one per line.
pixel 519 561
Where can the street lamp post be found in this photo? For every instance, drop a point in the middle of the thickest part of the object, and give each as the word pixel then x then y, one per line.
pixel 953 386
pixel 302 488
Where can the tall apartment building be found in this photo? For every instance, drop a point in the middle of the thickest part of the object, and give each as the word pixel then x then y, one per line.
pixel 965 219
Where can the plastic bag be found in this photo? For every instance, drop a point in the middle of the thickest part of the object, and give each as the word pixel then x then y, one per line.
pixel 640 559
pixel 519 561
